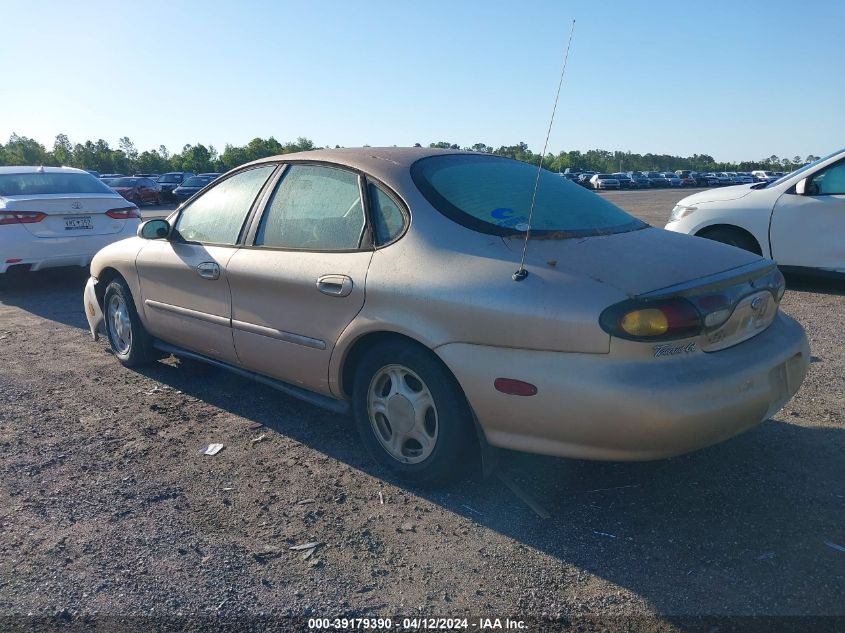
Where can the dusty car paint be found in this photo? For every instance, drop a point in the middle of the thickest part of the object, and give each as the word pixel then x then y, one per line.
pixel 450 289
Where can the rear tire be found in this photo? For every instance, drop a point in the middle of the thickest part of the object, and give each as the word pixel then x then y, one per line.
pixel 733 237
pixel 128 339
pixel 411 414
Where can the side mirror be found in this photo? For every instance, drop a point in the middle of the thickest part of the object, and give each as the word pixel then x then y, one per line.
pixel 154 229
pixel 801 187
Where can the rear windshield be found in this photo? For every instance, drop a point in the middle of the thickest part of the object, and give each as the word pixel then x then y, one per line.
pixel 197 181
pixel 36 184
pixel 171 178
pixel 490 194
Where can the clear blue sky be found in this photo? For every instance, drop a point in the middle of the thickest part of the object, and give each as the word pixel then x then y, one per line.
pixel 736 80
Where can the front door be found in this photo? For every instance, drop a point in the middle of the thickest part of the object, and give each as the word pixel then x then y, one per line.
pixel 299 281
pixel 809 230
pixel 184 282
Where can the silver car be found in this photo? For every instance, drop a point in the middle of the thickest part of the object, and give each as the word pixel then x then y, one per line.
pixel 387 282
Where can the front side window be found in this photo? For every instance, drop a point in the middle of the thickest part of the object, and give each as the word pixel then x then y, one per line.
pixel 216 217
pixel 492 195
pixel 314 208
pixel 828 182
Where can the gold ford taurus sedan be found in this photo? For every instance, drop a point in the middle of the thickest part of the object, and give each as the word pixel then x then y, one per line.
pixel 382 281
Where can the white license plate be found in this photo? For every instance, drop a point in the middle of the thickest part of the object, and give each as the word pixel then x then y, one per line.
pixel 78 223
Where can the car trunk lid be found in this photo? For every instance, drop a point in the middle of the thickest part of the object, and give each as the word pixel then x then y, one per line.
pixel 635 262
pixel 69 215
pixel 735 292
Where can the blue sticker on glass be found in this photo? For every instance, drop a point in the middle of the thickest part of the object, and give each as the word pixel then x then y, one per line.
pixel 502 213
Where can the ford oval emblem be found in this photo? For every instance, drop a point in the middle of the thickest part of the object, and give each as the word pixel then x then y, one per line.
pixel 76 205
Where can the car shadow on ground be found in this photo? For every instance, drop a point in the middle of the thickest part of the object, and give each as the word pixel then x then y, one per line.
pixel 829 285
pixel 746 527
pixel 55 295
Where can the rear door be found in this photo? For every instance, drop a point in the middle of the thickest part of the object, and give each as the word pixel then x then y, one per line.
pixel 299 280
pixel 809 230
pixel 184 279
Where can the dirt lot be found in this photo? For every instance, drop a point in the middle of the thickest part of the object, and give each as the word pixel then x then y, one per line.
pixel 107 506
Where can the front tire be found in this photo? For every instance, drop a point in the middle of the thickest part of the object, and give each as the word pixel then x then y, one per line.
pixel 411 413
pixel 128 339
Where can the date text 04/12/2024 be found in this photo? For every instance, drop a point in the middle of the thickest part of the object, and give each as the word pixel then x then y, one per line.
pixel 447 624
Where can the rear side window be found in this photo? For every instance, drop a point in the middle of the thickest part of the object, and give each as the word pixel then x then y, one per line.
pixel 493 195
pixel 314 208
pixel 216 217
pixel 388 220
pixel 35 184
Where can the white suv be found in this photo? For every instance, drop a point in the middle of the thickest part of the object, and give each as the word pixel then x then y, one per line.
pixel 798 220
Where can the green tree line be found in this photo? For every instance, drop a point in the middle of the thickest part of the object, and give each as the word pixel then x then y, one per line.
pixel 126 159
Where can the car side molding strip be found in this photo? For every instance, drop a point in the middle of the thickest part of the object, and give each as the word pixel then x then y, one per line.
pixel 282 335
pixel 196 314
pixel 324 402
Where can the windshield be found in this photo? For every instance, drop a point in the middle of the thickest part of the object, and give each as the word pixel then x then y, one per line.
pixel 124 182
pixel 34 184
pixel 171 178
pixel 197 181
pixel 493 195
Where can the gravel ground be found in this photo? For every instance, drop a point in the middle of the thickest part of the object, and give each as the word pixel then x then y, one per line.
pixel 107 507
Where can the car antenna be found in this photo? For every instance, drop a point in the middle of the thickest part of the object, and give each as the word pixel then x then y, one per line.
pixel 521 273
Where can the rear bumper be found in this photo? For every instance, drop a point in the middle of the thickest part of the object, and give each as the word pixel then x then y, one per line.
pixel 596 406
pixel 39 253
pixel 40 263
pixel 93 311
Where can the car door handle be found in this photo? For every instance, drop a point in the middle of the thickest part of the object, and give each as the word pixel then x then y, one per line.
pixel 208 270
pixel 335 285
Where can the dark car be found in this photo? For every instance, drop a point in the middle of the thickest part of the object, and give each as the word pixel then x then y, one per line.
pixel 172 179
pixel 640 181
pixel 656 178
pixel 137 190
pixel 584 178
pixel 704 179
pixel 625 181
pixel 191 186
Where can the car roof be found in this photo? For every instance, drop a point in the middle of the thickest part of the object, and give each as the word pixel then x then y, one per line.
pixel 381 162
pixel 30 169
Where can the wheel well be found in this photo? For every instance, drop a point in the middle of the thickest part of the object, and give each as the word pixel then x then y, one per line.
pixel 736 230
pixel 107 275
pixel 359 347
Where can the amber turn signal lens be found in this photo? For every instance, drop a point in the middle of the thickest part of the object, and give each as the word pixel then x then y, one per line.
pixel 647 322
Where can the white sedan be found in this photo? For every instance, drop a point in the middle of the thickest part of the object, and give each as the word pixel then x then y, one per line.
pixel 797 220
pixel 58 216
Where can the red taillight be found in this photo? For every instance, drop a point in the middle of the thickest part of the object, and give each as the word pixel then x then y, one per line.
pixel 659 320
pixel 21 217
pixel 514 387
pixel 124 213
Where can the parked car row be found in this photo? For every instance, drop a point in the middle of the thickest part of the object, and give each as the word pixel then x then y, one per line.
pixel 174 186
pixel 655 179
